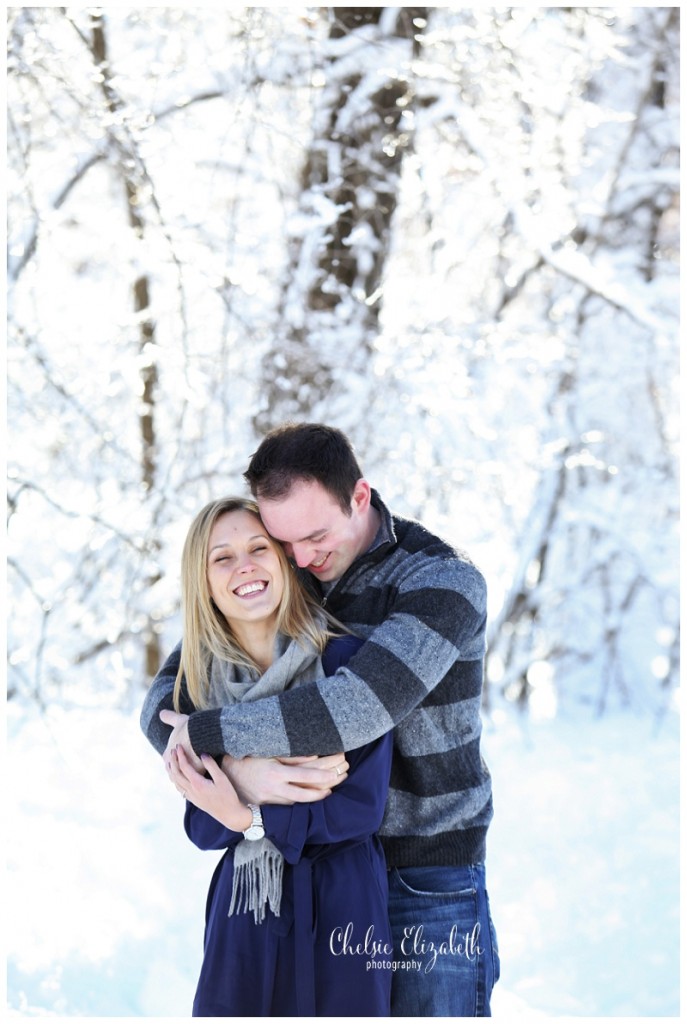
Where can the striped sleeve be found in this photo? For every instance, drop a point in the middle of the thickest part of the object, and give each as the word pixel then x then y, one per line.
pixel 436 618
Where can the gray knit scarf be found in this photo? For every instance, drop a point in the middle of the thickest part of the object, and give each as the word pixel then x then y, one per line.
pixel 258 864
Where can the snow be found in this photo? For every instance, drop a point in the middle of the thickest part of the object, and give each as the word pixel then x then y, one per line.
pixel 105 895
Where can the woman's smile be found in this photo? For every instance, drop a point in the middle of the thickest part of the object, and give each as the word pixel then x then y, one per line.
pixel 250 589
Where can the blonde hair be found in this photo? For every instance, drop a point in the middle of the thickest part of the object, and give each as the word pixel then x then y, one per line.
pixel 206 632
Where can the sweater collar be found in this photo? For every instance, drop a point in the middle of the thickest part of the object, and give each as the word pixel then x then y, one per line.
pixel 386 534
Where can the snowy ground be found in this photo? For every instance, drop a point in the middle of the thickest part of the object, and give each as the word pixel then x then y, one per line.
pixel 105 896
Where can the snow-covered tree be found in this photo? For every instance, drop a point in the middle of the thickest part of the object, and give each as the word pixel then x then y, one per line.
pixel 338 237
pixel 119 373
pixel 547 222
pixel 451 231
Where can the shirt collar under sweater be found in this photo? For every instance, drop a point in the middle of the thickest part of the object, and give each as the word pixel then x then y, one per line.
pixel 386 533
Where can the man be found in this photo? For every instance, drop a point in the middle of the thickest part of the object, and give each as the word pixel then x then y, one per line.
pixel 421 608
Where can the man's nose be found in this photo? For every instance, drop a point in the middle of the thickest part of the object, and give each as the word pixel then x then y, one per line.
pixel 302 554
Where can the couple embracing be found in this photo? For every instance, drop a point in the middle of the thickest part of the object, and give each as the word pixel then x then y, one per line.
pixel 324 708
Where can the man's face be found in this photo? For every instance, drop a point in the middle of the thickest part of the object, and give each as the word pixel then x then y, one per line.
pixel 314 529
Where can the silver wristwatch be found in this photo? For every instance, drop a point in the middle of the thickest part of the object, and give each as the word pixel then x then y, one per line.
pixel 256 829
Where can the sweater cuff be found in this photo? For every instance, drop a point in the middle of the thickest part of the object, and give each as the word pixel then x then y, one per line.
pixel 205 732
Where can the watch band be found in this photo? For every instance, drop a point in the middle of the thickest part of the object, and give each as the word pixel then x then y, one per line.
pixel 256 829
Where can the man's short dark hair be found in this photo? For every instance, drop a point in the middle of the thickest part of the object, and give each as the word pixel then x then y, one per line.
pixel 304 451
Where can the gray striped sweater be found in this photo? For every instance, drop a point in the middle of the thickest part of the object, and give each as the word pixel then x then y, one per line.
pixel 421 607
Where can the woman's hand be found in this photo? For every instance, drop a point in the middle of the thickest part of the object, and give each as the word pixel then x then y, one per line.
pixel 179 736
pixel 211 792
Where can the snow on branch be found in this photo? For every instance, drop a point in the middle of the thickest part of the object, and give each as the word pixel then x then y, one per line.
pixel 577 267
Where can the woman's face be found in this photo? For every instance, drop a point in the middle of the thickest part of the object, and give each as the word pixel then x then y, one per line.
pixel 244 571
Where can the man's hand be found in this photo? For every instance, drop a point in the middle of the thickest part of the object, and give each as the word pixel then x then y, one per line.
pixel 179 738
pixel 285 780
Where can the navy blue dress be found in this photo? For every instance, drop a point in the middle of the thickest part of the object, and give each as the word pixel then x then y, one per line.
pixel 325 954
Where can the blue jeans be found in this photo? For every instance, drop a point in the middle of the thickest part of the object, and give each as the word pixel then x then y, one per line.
pixel 445 951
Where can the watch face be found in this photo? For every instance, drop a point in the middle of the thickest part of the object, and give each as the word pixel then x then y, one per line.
pixel 254 832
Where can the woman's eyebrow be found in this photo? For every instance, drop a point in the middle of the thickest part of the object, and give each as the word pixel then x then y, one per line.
pixel 226 543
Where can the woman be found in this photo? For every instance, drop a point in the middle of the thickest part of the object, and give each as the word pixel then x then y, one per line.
pixel 296 916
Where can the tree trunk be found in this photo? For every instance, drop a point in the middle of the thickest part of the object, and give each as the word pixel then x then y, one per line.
pixel 333 295
pixel 146 339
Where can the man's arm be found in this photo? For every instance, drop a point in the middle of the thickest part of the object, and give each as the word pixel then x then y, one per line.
pixel 259 780
pixel 438 618
pixel 160 698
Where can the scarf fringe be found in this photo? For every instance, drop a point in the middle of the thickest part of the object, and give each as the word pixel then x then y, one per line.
pixel 258 873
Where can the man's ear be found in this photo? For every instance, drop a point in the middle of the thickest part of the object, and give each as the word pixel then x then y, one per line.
pixel 362 495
